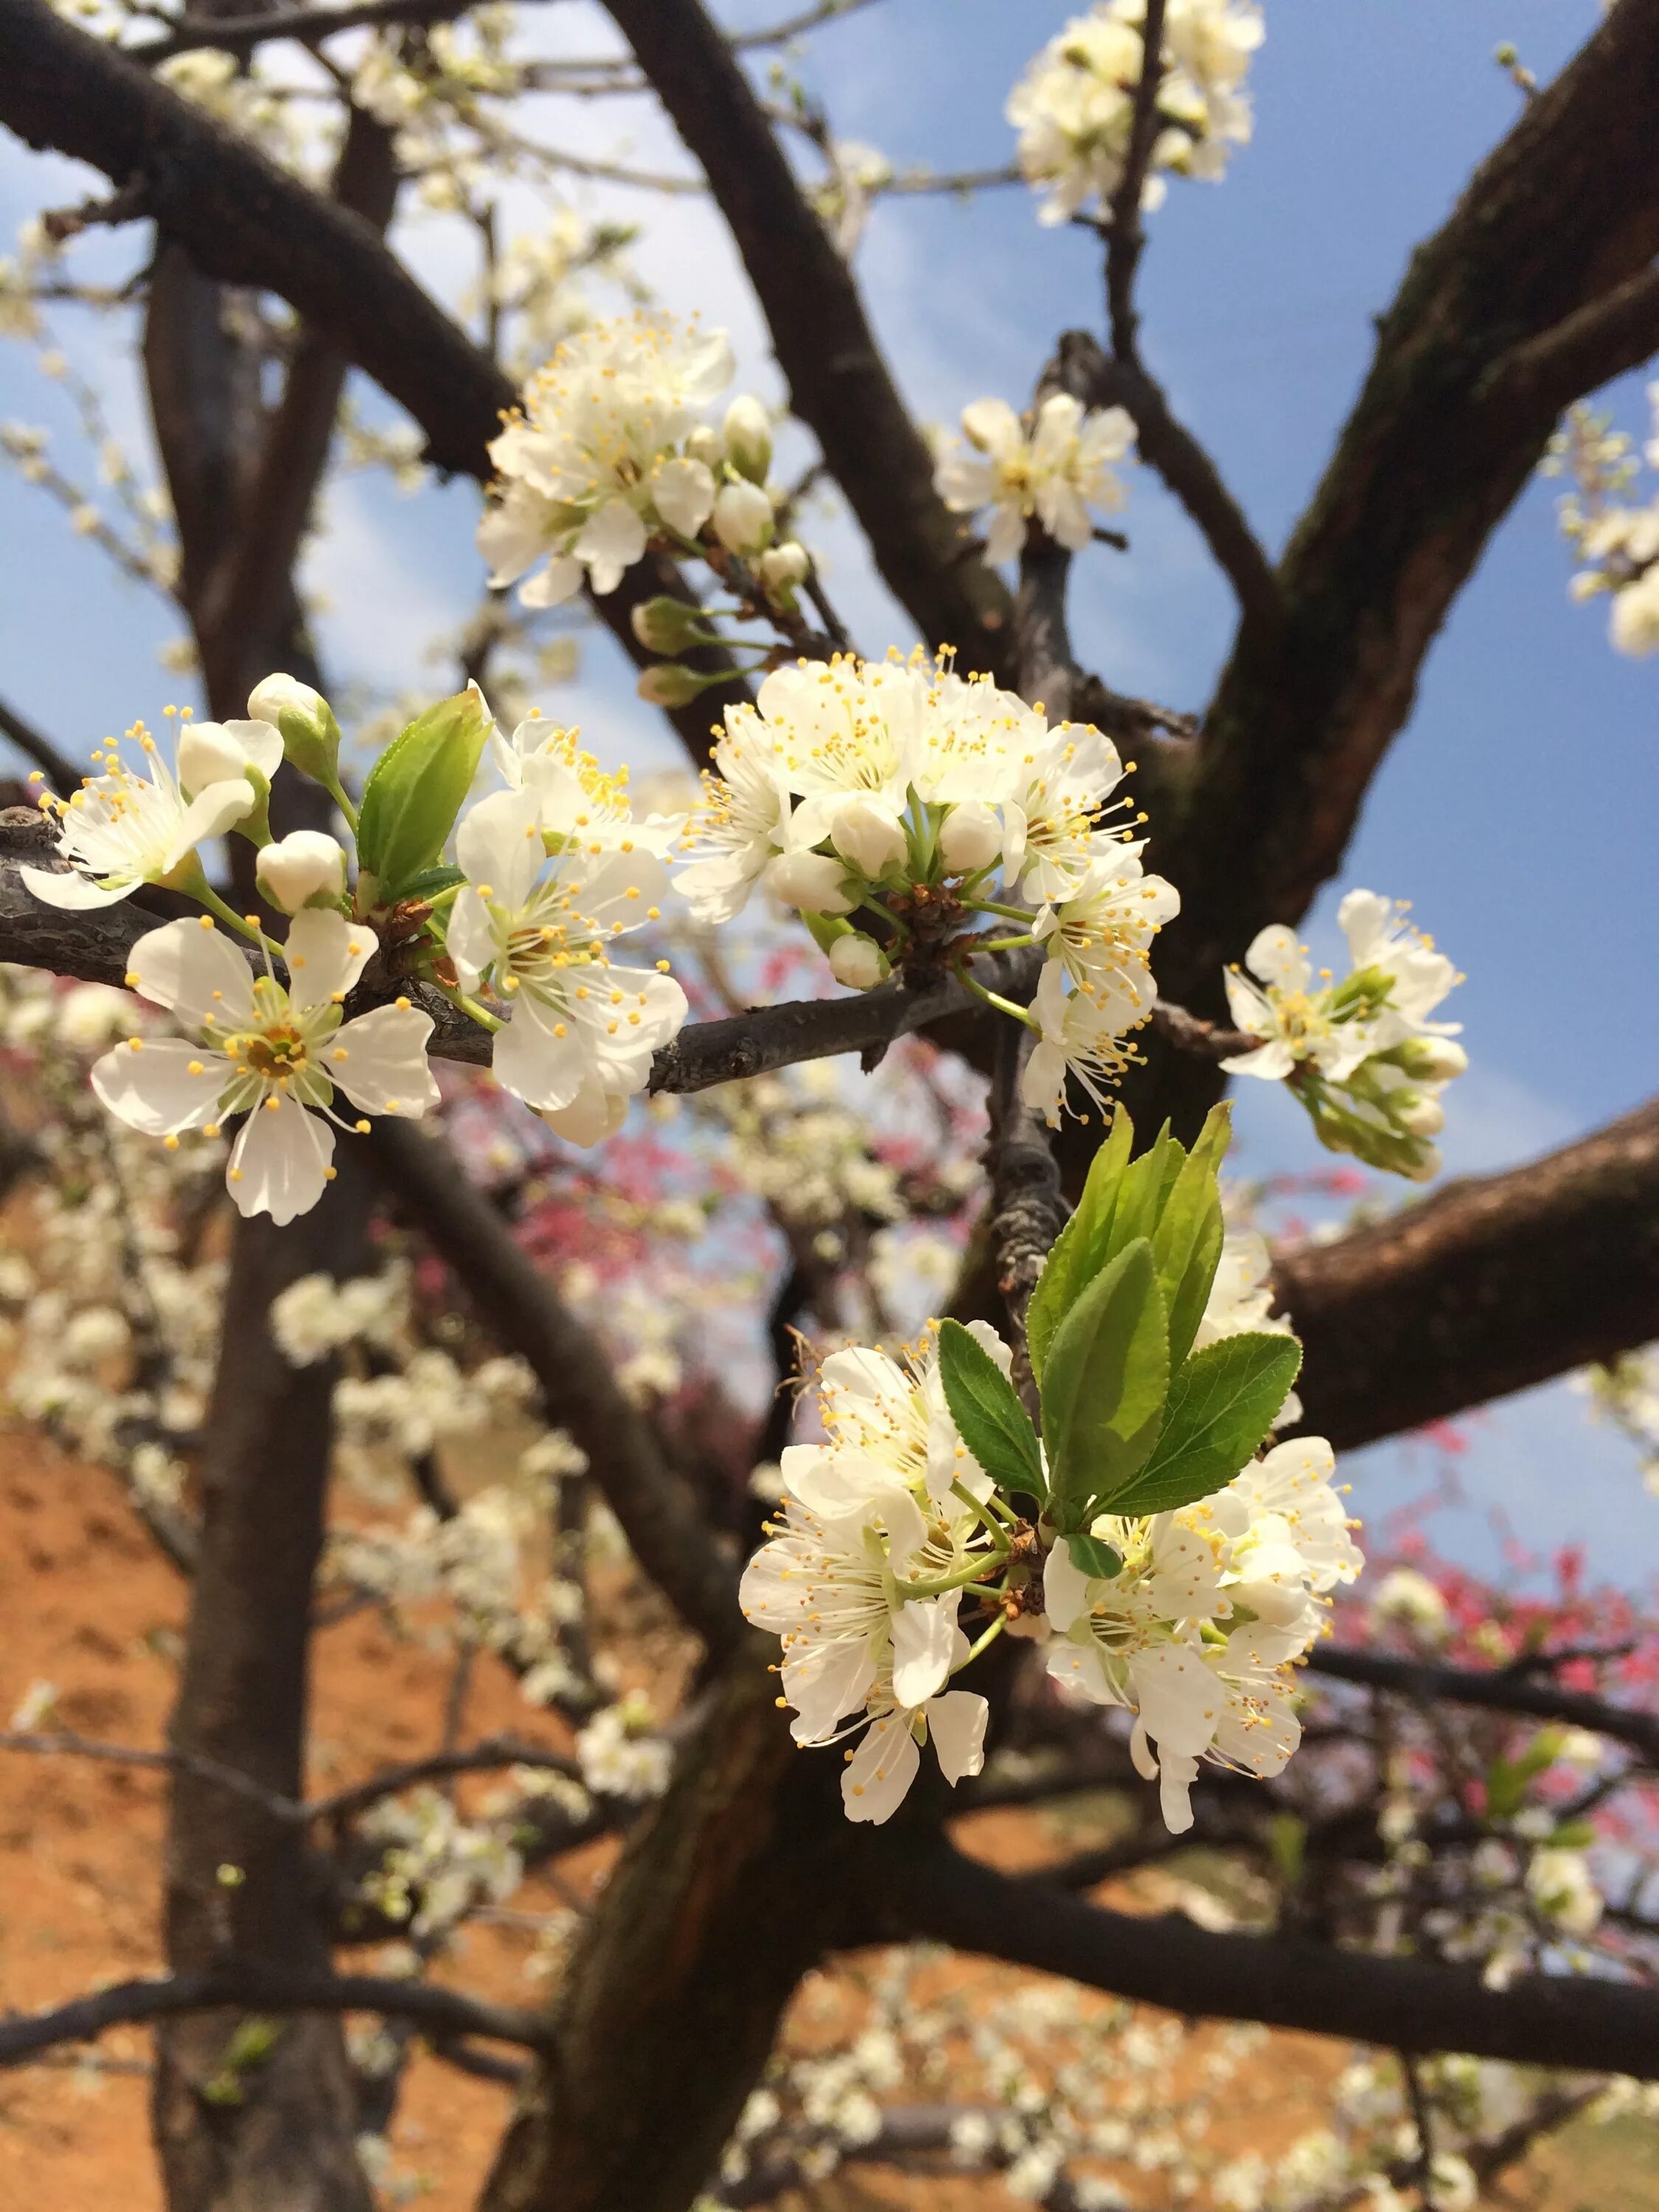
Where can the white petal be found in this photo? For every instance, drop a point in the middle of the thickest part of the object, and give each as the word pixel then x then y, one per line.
pixel 1275 956
pixel 499 843
pixel 196 972
pixel 613 537
pixel 279 1165
pixel 543 1070
pixel 470 938
pixel 209 814
pixel 593 1115
pixel 683 494
pixel 325 955
pixel 955 1722
pixel 993 427
pixel 1272 1062
pixel 70 892
pixel 877 1779
pixel 1065 1588
pixel 513 532
pixel 824 1681
pixel 1364 919
pixel 154 1088
pixel 561 580
pixel 924 1636
pixel 261 741
pixel 385 1070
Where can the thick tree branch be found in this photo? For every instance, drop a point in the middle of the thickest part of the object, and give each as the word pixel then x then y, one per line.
pixel 246 222
pixel 251 1987
pixel 1424 1682
pixel 1617 332
pixel 1407 2004
pixel 1489 1286
pixel 839 384
pixel 1126 238
pixel 1564 214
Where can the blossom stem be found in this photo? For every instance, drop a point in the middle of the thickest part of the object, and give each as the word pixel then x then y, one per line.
pixel 337 791
pixel 232 919
pixel 1003 944
pixel 994 1527
pixel 993 998
pixel 941 1585
pixel 875 906
pixel 996 906
pixel 981 1643
pixel 480 1014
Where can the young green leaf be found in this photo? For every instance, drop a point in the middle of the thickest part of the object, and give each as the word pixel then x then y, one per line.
pixel 1095 1557
pixel 415 788
pixel 1080 1250
pixel 993 1425
pixel 1104 1385
pixel 1222 1404
pixel 1187 1242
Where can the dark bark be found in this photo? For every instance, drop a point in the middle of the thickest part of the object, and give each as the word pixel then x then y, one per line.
pixel 276 2135
pixel 1424 1683
pixel 732 1888
pixel 1489 1286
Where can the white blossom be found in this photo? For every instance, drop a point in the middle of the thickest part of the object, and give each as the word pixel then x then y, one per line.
pixel 1055 476
pixel 277 1055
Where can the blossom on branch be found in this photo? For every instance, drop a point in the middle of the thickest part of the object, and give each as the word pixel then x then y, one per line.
pixel 1362 1056
pixel 277 1055
pixel 1054 477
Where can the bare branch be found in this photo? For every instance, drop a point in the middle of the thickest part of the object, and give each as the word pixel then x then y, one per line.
pixel 240 35
pixel 256 1988
pixel 493 1753
pixel 1617 332
pixel 1490 1285
pixel 1127 237
pixel 1568 2020
pixel 1425 1682
pixel 60 771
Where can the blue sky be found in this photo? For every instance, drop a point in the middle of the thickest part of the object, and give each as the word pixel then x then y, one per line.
pixel 1516 809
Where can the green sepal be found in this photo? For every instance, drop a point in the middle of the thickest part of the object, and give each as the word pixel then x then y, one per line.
pixel 416 788
pixel 1104 1387
pixel 1222 1405
pixel 986 1409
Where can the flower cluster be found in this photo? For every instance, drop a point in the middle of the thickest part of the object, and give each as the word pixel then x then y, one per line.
pixel 903 790
pixel 612 450
pixel 1197 1630
pixel 1053 475
pixel 1362 1056
pixel 1617 543
pixel 550 872
pixel 1169 1570
pixel 1075 107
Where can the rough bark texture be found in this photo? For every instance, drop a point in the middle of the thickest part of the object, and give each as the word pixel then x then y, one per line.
pixel 277 2135
pixel 731 1891
pixel 1402 1323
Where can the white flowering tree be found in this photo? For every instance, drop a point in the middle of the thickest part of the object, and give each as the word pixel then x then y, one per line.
pixel 1084 1529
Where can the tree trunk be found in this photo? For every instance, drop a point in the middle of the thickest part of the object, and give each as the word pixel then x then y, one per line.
pixel 252 2116
pixel 726 1897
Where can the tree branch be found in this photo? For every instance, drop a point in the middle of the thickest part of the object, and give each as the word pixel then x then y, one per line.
pixel 1617 332
pixel 839 384
pixel 253 1988
pixel 1570 2020
pixel 1426 1682
pixel 246 222
pixel 240 35
pixel 1127 237
pixel 1489 1286
pixel 61 772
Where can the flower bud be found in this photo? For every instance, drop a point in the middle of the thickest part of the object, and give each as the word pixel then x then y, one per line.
pixel 668 625
pixel 305 866
pixel 703 444
pixel 1432 1060
pixel 747 431
pixel 742 518
pixel 311 736
pixel 1417 1112
pixel 970 837
pixel 219 752
pixel 809 881
pixel 1424 1164
pixel 858 961
pixel 867 837
pixel 782 568
pixel 668 685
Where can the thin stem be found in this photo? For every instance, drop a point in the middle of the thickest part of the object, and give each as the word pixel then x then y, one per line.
pixel 480 1014
pixel 995 905
pixel 941 1585
pixel 239 923
pixel 342 798
pixel 981 1643
pixel 992 1527
pixel 992 998
pixel 1003 944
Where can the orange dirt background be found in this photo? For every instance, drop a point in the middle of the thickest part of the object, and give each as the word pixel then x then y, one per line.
pixel 88 1604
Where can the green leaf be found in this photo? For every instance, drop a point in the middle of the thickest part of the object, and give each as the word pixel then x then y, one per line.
pixel 986 1409
pixel 1095 1557
pixel 1104 1385
pixel 1222 1404
pixel 429 882
pixel 1188 1242
pixel 416 789
pixel 1071 1259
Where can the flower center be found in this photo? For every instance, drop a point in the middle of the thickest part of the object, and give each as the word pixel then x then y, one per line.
pixel 276 1053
